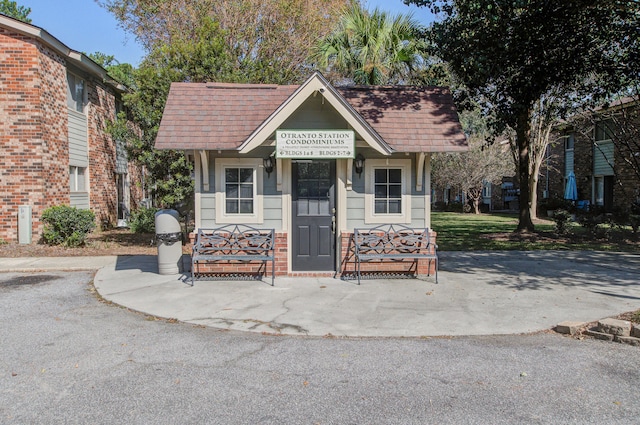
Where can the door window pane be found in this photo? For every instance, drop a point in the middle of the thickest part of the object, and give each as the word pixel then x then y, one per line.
pixel 313 188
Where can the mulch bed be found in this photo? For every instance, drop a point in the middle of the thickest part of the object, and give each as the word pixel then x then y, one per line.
pixel 109 242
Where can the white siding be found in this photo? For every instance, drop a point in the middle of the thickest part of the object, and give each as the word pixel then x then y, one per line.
pixel 315 114
pixel 417 211
pixel 603 159
pixel 568 161
pixel 272 216
pixel 78 141
pixel 208 210
pixel 121 157
pixel 79 200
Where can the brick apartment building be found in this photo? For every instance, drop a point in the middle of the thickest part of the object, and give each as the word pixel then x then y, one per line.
pixel 55 104
pixel 594 151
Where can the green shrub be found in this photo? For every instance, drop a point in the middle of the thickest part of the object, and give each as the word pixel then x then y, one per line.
pixel 454 206
pixel 68 226
pixel 634 222
pixel 143 220
pixel 561 217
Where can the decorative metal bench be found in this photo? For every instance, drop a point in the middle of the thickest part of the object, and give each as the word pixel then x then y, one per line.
pixel 234 243
pixel 393 242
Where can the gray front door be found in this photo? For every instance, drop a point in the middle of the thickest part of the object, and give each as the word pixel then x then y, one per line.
pixel 314 236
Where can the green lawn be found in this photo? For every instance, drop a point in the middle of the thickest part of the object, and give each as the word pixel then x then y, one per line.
pixel 470 232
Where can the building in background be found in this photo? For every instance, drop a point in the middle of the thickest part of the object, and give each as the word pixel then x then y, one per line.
pixel 55 104
pixel 602 149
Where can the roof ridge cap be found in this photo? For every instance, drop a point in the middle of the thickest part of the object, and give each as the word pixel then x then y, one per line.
pixel 216 85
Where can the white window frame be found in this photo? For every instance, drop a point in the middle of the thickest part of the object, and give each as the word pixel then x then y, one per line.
pixel 221 216
pixel 74 179
pixel 569 146
pixel 569 142
pixel 606 131
pixel 486 189
pixel 370 216
pixel 598 190
pixel 75 78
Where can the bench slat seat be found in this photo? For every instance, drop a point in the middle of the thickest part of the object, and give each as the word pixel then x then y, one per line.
pixel 234 243
pixel 393 242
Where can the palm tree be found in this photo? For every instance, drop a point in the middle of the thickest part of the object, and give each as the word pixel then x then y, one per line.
pixel 371 48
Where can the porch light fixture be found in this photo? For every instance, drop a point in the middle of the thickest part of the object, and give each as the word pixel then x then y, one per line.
pixel 268 165
pixel 358 164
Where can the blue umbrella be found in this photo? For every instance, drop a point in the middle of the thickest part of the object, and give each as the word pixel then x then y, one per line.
pixel 571 190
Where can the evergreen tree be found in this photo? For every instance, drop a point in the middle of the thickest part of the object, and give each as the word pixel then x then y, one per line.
pixel 11 8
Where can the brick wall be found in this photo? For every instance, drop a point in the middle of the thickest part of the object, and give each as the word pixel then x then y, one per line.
pixel 554 168
pixel 583 168
pixel 627 185
pixel 626 189
pixel 33 131
pixel 34 165
pixel 250 268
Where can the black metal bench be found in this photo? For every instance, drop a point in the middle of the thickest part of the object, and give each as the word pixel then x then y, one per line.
pixel 393 242
pixel 234 243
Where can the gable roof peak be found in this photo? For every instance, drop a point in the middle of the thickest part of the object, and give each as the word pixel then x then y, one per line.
pixel 314 84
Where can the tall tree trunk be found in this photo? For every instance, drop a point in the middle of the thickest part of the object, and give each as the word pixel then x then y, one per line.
pixel 523 139
pixel 533 198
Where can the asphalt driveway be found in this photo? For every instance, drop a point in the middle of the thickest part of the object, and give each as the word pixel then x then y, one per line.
pixel 69 358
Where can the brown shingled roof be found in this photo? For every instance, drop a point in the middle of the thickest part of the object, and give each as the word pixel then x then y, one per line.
pixel 196 111
pixel 409 119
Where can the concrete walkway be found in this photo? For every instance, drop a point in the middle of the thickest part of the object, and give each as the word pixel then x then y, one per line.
pixel 479 293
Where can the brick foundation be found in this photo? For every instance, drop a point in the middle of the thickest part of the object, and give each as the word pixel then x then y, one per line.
pixel 347 263
pixel 255 268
